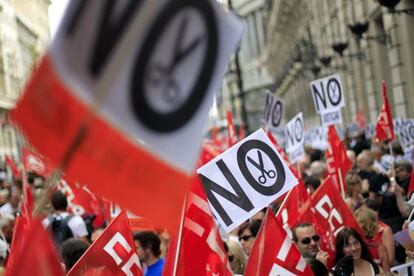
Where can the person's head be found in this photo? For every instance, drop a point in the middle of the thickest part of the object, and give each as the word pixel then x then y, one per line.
pixel 259 215
pixel 59 201
pixel 371 204
pixel 306 239
pixel 353 184
pixel 236 256
pixel 349 243
pixel 71 250
pixel 365 160
pixel 318 169
pixel 247 234
pixel 403 169
pixel 147 244
pixel 14 198
pixel 312 183
pixel 367 220
pixel 397 149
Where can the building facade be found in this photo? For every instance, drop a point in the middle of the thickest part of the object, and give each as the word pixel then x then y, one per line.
pixel 362 40
pixel 24 34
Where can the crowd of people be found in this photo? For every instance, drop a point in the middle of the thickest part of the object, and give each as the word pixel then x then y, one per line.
pixel 376 193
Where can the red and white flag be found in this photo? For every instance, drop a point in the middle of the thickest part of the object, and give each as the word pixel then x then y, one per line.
pixel 338 162
pixel 113 253
pixel 33 252
pixel 331 212
pixel 385 127
pixel 124 114
pixel 274 253
pixel 12 165
pixel 35 163
pixel 201 250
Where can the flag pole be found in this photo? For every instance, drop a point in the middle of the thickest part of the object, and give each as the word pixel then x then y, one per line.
pixel 180 234
pixel 341 182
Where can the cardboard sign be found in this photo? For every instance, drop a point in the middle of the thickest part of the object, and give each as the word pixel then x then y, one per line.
pixel 327 93
pixel 130 84
pixel 273 112
pixel 295 133
pixel 244 179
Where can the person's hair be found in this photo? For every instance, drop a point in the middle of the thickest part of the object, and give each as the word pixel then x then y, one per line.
pixel 253 226
pixel 239 261
pixel 367 219
pixel 312 181
pixel 372 204
pixel 149 239
pixel 343 237
pixel 397 149
pixel 351 179
pixel 318 169
pixel 367 154
pixel 59 201
pixel 299 225
pixel 71 250
pixel 404 164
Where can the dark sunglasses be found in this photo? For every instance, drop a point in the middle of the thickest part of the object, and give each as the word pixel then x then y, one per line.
pixel 231 258
pixel 315 238
pixel 245 238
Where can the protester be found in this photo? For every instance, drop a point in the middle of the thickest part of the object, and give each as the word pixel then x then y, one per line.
pixel 236 257
pixel 312 183
pixel 364 164
pixel 353 190
pixel 247 234
pixel 62 224
pixel 349 243
pixel 307 241
pixel 71 251
pixel 12 206
pixel 319 170
pixel 149 252
pixel 367 220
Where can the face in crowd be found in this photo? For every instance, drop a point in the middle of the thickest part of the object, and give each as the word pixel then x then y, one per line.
pixel 352 248
pixel 307 240
pixel 246 240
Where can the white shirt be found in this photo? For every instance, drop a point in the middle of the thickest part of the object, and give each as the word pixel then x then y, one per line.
pixel 76 224
pixel 7 210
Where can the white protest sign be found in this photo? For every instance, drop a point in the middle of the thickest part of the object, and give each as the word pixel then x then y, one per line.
pixel 317 138
pixel 404 129
pixel 294 133
pixel 159 64
pixel 244 179
pixel 273 112
pixel 327 93
pixel 331 117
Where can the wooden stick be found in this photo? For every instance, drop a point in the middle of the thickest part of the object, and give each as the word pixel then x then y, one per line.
pixel 180 234
pixel 341 182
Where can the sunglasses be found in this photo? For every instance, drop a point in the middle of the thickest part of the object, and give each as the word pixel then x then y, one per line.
pixel 315 238
pixel 245 238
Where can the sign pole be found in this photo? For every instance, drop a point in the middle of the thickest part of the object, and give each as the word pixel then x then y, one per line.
pixel 341 182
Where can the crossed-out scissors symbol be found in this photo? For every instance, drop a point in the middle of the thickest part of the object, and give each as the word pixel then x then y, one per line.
pixel 260 166
pixel 163 75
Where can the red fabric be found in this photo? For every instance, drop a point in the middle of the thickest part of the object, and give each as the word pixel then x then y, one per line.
pixel 13 167
pixel 331 211
pixel 208 152
pixel 411 186
pixel 201 249
pixel 274 251
pixel 34 254
pixel 27 204
pixel 112 165
pixel 113 249
pixel 385 127
pixel 232 135
pixel 34 162
pixel 340 163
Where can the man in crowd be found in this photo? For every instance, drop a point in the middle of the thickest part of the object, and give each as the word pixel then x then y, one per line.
pixel 62 224
pixel 307 241
pixel 149 252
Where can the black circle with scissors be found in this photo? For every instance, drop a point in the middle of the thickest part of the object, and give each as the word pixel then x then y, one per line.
pixel 159 76
pixel 334 91
pixel 276 175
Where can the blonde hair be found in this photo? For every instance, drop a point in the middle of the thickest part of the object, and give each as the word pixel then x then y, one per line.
pixel 367 219
pixel 239 262
pixel 351 179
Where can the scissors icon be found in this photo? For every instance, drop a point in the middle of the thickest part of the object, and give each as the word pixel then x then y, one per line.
pixel 163 75
pixel 270 173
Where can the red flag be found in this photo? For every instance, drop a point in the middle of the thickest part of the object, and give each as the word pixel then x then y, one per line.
pixel 199 233
pixel 340 163
pixel 385 127
pixel 331 211
pixel 34 162
pixel 114 250
pixel 13 167
pixel 33 253
pixel 274 253
pixel 411 186
pixel 232 135
pixel 27 203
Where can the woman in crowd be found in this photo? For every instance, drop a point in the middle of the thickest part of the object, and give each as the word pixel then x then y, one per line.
pixel 349 244
pixel 367 220
pixel 353 191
